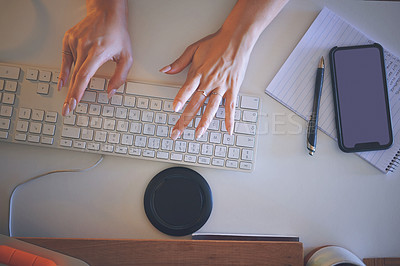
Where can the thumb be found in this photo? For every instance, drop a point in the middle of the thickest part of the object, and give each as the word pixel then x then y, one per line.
pixel 182 62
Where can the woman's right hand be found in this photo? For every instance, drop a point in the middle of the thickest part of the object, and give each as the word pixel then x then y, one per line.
pixel 101 36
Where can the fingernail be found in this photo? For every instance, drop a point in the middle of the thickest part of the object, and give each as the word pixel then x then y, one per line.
pixel 230 130
pixel 65 109
pixel 175 134
pixel 60 84
pixel 111 93
pixel 165 69
pixel 72 104
pixel 178 107
pixel 200 132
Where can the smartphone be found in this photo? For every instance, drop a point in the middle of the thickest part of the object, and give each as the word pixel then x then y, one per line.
pixel 361 98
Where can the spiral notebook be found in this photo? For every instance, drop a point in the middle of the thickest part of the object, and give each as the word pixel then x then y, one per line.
pixel 296 91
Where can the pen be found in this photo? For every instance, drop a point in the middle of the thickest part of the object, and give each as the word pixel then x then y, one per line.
pixel 313 123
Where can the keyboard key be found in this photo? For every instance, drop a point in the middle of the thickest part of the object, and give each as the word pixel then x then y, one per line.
pixel 142 103
pixel 160 118
pixel 121 113
pixel 215 137
pixel 116 100
pixel 66 142
pixel 43 88
pixel 148 153
pixel 245 165
pixel 172 119
pixel 6 111
pixel 19 136
pixel 44 75
pixel 162 131
pixel 109 124
pixel 55 77
pixel 100 136
pixel 217 162
pixel 190 158
pixel 149 129
pixel 168 106
pixel 9 72
pixel 3 135
pixel 35 128
pixel 127 139
pixel 176 157
pixel 214 125
pixel 70 132
pixel 220 113
pixel 51 117
pixel 87 134
pixel 247 155
pixel 37 115
pixel 96 122
pixel 107 147
pixel 233 153
pixel 166 144
pixel 245 128
pixel 34 138
pixel 204 160
pixel 89 96
pixel 249 102
pixel 228 139
pixel 122 126
pixel 244 141
pixel 81 108
pixel 10 86
pixel 4 123
pixel 155 105
pixel 121 149
pixel 180 146
pixel 68 120
pixel 231 164
pixel 134 115
pixel 194 148
pixel 108 111
pixel 121 89
pixel 147 116
pixel 94 109
pixel 135 151
pixel 49 129
pixel 22 126
pixel 249 116
pixel 102 97
pixel 140 141
pixel 97 84
pixel 162 155
pixel 93 146
pixel 8 98
pixel 24 113
pixel 154 143
pixel 32 74
pixel 1 84
pixel 220 151
pixel 79 144
pixel 136 128
pixel 188 134
pixel 207 149
pixel 113 138
pixel 82 121
pixel 129 101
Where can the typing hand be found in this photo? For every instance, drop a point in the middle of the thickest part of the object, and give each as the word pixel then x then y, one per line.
pixel 101 36
pixel 219 64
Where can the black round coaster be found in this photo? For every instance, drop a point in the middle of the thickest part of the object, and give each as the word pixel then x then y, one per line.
pixel 178 201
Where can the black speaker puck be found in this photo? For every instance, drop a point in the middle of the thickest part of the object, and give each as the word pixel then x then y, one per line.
pixel 178 201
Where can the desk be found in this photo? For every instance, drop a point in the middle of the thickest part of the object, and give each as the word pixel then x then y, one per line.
pixel 342 200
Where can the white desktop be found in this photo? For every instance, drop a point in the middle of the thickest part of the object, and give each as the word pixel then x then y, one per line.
pixel 331 198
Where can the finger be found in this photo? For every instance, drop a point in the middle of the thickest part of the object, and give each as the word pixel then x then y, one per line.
pixel 188 114
pixel 182 62
pixel 209 112
pixel 187 90
pixel 120 74
pixel 230 104
pixel 66 63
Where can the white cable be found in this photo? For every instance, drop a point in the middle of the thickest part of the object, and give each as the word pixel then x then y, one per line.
pixel 39 176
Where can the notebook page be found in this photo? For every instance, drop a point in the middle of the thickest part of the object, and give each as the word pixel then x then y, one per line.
pixel 293 86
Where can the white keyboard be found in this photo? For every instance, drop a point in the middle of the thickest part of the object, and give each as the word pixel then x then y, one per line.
pixel 136 122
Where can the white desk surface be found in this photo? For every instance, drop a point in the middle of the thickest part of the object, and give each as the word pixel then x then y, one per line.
pixel 332 198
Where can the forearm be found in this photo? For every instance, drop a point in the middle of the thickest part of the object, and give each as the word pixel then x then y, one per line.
pixel 116 8
pixel 249 18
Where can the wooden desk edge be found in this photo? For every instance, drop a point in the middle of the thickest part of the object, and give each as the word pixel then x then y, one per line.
pixel 167 251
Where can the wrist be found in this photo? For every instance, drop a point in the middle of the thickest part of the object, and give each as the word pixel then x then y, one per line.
pixel 114 8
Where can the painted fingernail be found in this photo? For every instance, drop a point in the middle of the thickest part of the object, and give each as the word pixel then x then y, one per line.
pixel 60 84
pixel 165 69
pixel 200 132
pixel 178 107
pixel 65 109
pixel 175 134
pixel 72 104
pixel 111 93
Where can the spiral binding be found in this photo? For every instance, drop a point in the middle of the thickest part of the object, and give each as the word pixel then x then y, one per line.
pixel 394 163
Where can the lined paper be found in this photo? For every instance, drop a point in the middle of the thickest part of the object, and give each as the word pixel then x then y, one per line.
pixel 293 85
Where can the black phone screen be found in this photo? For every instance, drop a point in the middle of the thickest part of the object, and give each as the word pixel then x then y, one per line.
pixel 362 107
